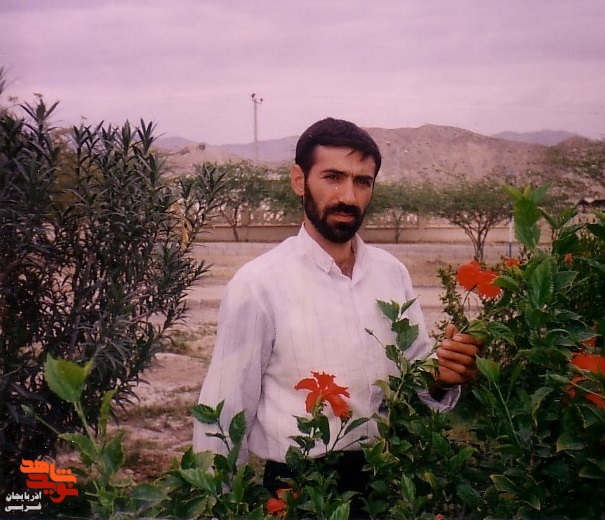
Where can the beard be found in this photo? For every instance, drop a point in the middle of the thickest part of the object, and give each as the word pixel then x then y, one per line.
pixel 339 232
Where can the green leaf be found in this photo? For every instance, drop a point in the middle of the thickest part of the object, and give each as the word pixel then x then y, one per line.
pixel 86 447
pixel 356 423
pixel 112 456
pixel 148 493
pixel 595 469
pixel 507 282
pixel 408 489
pixel 468 495
pixel 564 280
pixel 324 429
pixel 478 329
pixel 526 214
pixel 204 413
pixel 504 484
pixel 432 480
pixel 540 285
pixel 200 479
pixel 104 411
pixel 598 230
pixel 342 512
pixel 533 501
pixel 535 318
pixel 458 460
pixel 500 332
pixel 389 309
pixel 537 398
pixel 406 336
pixel 65 378
pixel 568 442
pixel 237 428
pixel 489 368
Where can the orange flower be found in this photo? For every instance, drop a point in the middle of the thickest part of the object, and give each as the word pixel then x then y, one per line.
pixel 468 275
pixel 472 276
pixel 511 262
pixel 322 389
pixel 277 506
pixel 593 363
pixel 486 287
pixel 568 258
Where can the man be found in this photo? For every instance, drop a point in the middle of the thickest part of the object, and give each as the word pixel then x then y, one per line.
pixel 305 305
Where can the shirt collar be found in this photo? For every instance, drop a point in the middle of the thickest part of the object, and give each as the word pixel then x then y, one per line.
pixel 325 262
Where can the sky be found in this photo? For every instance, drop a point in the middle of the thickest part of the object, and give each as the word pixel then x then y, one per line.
pixel 191 66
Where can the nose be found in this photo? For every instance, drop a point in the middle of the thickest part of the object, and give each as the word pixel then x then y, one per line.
pixel 345 192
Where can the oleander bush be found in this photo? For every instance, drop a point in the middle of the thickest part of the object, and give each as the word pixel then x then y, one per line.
pixel 94 263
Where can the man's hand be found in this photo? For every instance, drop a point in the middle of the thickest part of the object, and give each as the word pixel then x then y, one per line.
pixel 456 357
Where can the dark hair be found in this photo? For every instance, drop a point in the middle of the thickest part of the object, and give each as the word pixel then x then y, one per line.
pixel 334 132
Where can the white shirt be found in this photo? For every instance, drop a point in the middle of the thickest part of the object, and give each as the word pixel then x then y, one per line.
pixel 291 312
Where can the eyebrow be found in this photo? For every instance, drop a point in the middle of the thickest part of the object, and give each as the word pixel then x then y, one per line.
pixel 343 172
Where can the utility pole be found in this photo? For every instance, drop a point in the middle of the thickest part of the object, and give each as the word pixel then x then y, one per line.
pixel 256 101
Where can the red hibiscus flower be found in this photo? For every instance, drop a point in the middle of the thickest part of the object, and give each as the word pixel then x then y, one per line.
pixel 591 362
pixel 277 506
pixel 468 275
pixel 595 364
pixel 322 388
pixel 486 287
pixel 472 276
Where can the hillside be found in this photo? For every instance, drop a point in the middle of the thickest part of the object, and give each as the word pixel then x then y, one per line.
pixel 433 152
pixel 429 152
pixel 182 160
pixel 545 137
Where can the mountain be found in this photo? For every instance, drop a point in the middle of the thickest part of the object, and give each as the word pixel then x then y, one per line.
pixel 436 153
pixel 173 143
pixel 182 160
pixel 544 137
pixel 271 151
pixel 430 152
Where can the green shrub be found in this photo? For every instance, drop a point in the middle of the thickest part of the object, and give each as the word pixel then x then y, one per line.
pixel 95 259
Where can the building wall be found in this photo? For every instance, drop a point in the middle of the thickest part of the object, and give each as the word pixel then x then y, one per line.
pixel 425 231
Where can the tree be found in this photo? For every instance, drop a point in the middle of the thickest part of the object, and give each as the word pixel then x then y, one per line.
pixel 245 189
pixel 475 206
pixel 93 266
pixel 397 203
pixel 281 199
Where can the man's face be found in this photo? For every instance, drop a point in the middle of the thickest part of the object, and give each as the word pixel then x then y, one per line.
pixel 337 192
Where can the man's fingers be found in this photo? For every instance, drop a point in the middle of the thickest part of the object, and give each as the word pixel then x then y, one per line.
pixel 469 349
pixel 450 330
pixel 466 357
pixel 466 338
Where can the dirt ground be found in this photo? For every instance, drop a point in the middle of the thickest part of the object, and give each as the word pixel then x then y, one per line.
pixel 158 427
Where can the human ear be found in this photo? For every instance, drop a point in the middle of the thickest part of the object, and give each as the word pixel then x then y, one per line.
pixel 297 180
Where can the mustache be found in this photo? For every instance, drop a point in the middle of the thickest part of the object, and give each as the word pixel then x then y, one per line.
pixel 341 207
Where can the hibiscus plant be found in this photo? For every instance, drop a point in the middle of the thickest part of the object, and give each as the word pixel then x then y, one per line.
pixel 527 439
pixel 535 417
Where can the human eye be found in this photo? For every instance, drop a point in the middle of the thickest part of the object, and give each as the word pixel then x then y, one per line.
pixel 366 182
pixel 332 175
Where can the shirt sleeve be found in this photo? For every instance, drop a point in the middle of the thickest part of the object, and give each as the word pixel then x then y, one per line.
pixel 243 346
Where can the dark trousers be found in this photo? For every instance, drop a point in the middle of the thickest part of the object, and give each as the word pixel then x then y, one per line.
pixel 350 477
